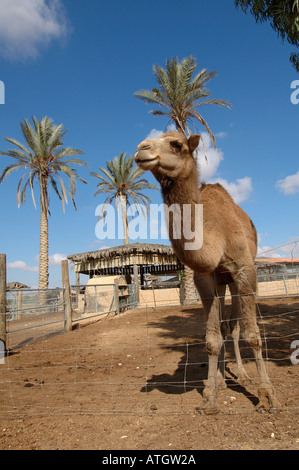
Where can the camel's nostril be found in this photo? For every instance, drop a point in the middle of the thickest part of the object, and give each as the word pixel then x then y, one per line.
pixel 144 147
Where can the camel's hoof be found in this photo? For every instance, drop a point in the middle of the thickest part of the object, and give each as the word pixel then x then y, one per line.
pixel 271 406
pixel 244 379
pixel 207 410
pixel 221 384
pixel 211 411
pixel 210 404
pixel 268 401
pixel 210 407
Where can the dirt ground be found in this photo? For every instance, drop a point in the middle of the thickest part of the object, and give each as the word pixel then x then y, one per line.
pixel 134 382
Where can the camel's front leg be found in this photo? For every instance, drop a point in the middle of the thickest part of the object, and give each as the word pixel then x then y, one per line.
pixel 246 282
pixel 206 286
pixel 210 392
pixel 213 344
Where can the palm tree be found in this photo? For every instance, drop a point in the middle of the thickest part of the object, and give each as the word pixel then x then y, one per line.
pixel 43 159
pixel 179 95
pixel 121 181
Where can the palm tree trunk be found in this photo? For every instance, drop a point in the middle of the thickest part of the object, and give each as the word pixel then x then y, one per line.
pixel 43 281
pixel 124 213
pixel 189 293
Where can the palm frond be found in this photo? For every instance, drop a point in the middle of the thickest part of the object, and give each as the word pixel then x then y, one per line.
pixel 180 93
pixel 54 140
pixel 63 192
pixel 19 189
pixel 110 177
pixel 151 97
pixel 121 180
pixel 18 144
pixel 69 152
pixel 31 137
pixel 8 170
pixel 55 187
pixel 43 156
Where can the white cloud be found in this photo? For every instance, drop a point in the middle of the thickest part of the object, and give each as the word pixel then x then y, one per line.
pixel 55 260
pixel 287 250
pixel 221 134
pixel 22 265
pixel 268 252
pixel 239 190
pixel 26 26
pixel 154 134
pixel 291 249
pixel 208 166
pixel 290 184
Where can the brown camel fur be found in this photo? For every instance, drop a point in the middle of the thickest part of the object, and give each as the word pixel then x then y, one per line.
pixel 226 256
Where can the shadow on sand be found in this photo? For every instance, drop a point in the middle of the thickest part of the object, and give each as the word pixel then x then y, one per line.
pixel 279 325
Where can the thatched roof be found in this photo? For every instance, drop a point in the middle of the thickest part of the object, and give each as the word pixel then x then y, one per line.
pixel 16 285
pixel 122 250
pixel 265 263
pixel 141 254
pixel 117 258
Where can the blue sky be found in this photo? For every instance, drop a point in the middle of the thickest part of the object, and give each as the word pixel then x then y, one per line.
pixel 79 62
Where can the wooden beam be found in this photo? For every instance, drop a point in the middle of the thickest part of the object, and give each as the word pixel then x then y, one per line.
pixel 67 295
pixel 136 282
pixel 2 306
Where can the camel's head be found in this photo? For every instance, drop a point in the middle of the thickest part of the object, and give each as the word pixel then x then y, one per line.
pixel 170 155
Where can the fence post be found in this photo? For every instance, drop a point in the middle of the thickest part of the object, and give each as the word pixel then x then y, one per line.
pixel 77 288
pixel 2 307
pixel 136 282
pixel 67 295
pixel 116 297
pixel 285 285
pixel 96 298
pixel 19 304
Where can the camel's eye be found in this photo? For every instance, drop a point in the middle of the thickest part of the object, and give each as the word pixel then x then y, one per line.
pixel 176 145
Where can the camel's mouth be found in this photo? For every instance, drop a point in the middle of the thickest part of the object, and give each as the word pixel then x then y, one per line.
pixel 146 162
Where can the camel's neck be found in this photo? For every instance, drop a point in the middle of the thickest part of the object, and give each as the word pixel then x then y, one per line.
pixel 181 191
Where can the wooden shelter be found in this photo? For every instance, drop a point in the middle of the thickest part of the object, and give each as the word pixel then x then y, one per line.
pixel 16 285
pixel 135 259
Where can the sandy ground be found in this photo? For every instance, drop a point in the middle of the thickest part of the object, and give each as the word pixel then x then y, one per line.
pixel 134 382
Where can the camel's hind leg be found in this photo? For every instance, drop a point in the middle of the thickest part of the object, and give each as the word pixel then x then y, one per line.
pixel 234 328
pixel 220 289
pixel 245 279
pixel 230 325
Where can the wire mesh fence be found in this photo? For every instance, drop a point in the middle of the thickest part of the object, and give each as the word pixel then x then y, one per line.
pixel 152 360
pixel 275 284
pixel 100 299
pixel 36 314
pixel 33 314
pixel 22 303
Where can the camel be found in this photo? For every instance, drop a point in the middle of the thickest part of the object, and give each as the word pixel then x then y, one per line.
pixel 225 258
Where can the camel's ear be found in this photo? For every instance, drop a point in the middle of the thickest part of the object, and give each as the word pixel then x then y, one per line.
pixel 193 142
